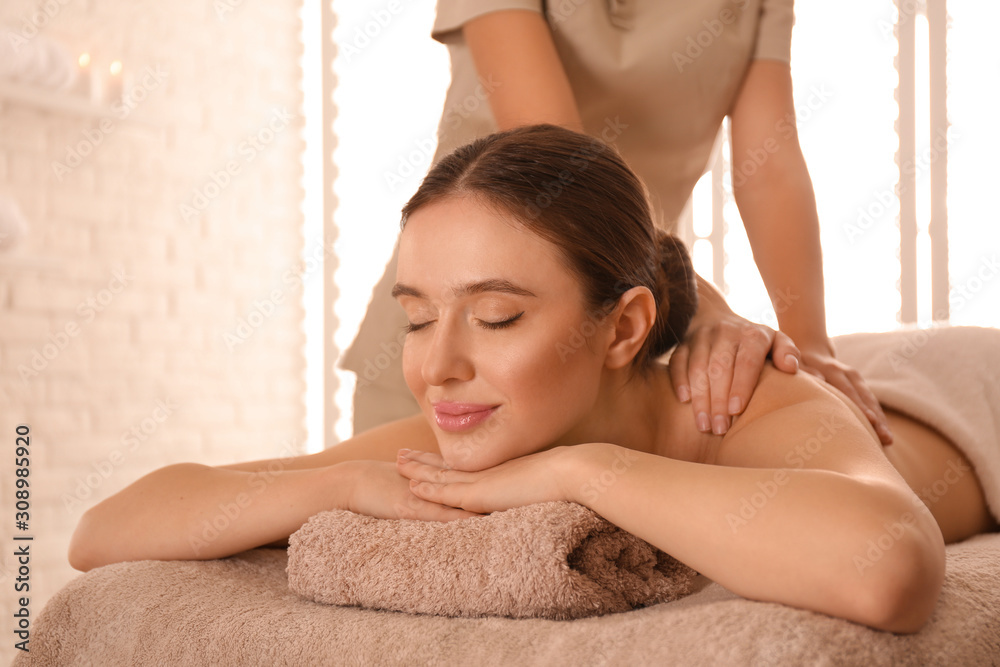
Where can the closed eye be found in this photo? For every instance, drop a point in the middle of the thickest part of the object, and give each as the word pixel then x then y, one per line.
pixel 502 324
pixel 411 327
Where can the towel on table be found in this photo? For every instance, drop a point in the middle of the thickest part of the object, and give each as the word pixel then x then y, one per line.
pixel 555 560
pixel 946 377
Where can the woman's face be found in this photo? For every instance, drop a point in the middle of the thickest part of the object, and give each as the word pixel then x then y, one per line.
pixel 501 353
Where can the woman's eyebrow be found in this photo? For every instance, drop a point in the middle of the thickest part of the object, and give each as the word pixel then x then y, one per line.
pixel 492 285
pixel 399 289
pixel 478 287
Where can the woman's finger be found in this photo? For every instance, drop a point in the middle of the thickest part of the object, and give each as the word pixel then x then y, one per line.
pixel 430 458
pixel 414 469
pixel 438 512
pixel 427 510
pixel 450 494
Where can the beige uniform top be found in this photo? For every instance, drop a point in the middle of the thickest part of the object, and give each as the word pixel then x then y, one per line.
pixel 654 77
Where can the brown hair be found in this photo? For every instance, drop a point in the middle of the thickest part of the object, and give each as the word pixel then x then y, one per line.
pixel 577 193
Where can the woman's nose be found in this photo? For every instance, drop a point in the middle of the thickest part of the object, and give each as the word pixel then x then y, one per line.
pixel 447 357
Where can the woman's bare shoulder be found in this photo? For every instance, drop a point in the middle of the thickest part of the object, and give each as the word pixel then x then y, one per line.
pixel 798 421
pixel 378 444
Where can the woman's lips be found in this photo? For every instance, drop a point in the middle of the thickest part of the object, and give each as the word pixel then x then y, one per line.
pixel 461 416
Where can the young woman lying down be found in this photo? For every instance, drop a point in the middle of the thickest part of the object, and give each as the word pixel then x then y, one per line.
pixel 540 297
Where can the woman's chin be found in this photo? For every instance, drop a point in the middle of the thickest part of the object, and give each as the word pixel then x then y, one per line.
pixel 465 461
pixel 468 457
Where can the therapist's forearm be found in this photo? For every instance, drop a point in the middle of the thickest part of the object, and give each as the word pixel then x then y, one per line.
pixel 778 208
pixel 711 303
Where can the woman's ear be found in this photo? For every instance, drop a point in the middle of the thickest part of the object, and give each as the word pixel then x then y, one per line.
pixel 632 318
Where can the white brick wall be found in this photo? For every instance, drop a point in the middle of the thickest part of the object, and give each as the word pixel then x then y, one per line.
pixel 106 350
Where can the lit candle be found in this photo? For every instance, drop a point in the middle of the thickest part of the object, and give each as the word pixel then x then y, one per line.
pixel 83 76
pixel 115 84
pixel 95 80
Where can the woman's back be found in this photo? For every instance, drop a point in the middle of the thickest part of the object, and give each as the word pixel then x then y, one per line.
pixel 931 465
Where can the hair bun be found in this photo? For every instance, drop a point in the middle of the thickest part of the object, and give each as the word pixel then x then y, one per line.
pixel 677 300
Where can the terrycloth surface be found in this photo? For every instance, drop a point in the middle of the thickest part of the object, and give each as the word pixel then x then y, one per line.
pixel 239 611
pixel 554 560
pixel 948 377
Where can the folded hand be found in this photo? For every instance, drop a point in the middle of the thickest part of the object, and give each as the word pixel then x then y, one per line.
pixel 379 491
pixel 521 481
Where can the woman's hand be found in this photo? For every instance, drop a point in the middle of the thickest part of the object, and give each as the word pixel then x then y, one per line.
pixel 820 362
pixel 379 491
pixel 718 364
pixel 535 478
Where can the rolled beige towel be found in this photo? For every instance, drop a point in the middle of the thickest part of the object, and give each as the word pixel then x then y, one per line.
pixel 556 560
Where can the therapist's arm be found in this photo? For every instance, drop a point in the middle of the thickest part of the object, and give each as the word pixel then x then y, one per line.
pixel 775 197
pixel 514 49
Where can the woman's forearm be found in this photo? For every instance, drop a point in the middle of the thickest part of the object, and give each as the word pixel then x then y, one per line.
pixel 795 536
pixel 190 511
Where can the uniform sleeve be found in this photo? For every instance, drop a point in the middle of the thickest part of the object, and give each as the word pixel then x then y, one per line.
pixel 452 14
pixel 774 30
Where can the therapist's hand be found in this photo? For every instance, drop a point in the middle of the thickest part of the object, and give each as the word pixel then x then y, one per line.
pixel 718 364
pixel 820 362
